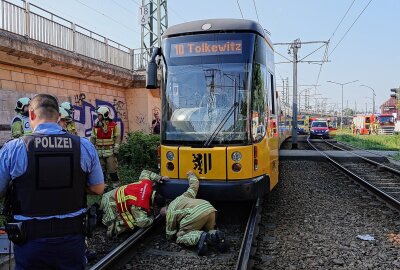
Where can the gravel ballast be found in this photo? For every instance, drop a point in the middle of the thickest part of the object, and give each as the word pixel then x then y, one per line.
pixel 312 220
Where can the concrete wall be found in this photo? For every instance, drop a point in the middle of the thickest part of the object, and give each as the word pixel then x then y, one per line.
pixel 29 67
pixel 132 107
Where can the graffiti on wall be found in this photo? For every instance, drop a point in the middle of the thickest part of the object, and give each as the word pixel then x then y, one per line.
pixel 85 116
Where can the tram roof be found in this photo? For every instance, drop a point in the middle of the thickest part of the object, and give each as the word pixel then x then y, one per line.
pixel 217 25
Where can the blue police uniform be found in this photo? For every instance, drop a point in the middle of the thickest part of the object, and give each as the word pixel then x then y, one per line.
pixel 64 251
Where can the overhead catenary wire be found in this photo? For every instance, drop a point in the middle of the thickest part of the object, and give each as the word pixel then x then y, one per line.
pixel 333 34
pixel 324 58
pixel 110 18
pixel 241 13
pixel 122 7
pixel 348 30
pixel 255 7
pixel 344 16
pixel 312 52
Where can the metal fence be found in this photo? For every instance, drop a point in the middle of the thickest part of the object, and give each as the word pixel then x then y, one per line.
pixel 39 24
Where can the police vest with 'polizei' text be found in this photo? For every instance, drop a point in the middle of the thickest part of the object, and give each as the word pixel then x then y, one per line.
pixel 54 182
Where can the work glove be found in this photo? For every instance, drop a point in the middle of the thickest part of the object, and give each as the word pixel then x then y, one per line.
pixel 163 179
pixel 116 149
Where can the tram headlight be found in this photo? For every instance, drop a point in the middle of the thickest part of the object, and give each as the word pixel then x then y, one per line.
pixel 236 156
pixel 170 156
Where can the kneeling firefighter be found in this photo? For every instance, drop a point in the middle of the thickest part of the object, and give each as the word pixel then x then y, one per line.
pixel 129 206
pixel 192 221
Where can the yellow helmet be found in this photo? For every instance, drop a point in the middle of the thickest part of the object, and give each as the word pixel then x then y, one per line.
pixel 65 114
pixel 67 105
pixel 103 111
pixel 21 103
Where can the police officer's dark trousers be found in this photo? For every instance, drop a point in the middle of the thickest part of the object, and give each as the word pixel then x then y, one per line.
pixel 58 253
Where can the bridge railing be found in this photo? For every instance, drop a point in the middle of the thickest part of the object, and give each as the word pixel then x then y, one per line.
pixel 39 24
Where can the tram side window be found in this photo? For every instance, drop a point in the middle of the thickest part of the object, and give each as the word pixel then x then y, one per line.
pixel 273 97
pixel 259 104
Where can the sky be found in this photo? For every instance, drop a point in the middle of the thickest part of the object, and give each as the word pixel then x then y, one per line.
pixel 369 52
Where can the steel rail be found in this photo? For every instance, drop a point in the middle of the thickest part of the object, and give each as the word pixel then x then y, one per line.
pixel 379 193
pixel 397 172
pixel 366 150
pixel 249 236
pixel 112 258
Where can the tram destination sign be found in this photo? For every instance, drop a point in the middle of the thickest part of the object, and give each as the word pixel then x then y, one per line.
pixel 205 48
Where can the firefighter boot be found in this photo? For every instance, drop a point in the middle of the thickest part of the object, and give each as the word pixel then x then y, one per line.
pixel 217 239
pixel 202 244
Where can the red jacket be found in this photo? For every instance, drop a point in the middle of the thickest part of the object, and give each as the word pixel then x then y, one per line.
pixel 136 194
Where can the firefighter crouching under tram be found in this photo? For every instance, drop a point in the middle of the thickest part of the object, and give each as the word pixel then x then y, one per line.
pixel 192 221
pixel 70 126
pixel 106 137
pixel 47 176
pixel 129 206
pixel 20 123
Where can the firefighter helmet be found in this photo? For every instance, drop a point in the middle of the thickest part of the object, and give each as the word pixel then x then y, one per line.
pixel 21 103
pixel 65 114
pixel 103 111
pixel 67 105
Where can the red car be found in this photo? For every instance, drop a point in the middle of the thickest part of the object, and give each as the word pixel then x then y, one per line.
pixel 319 129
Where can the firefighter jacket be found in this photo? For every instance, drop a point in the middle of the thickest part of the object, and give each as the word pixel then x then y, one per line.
pixel 20 125
pixel 106 137
pixel 71 128
pixel 186 208
pixel 54 182
pixel 128 206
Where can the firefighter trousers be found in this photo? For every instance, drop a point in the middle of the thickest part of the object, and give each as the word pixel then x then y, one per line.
pixel 190 234
pixel 109 164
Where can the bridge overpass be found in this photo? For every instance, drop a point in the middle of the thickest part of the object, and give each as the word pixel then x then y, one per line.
pixel 41 52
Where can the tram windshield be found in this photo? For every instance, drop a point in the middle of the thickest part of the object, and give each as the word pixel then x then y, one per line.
pixel 207 88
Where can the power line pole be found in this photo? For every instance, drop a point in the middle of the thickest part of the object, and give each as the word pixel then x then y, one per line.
pixel 154 21
pixel 294 47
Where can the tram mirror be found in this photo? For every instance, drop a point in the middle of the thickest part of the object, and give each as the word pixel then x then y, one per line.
pixel 151 76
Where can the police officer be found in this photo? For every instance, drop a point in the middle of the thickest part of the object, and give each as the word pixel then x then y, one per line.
pixel 20 123
pixel 106 137
pixel 48 175
pixel 70 123
pixel 192 221
pixel 129 206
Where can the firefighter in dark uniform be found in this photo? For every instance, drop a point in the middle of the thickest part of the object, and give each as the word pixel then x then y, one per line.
pixel 47 175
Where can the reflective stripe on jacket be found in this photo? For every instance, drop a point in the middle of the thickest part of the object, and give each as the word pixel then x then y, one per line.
pixel 137 194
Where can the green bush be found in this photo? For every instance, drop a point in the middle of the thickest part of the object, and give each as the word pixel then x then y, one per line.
pixel 137 153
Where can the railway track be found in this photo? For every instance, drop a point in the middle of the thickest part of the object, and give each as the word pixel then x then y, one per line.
pixel 154 252
pixel 378 178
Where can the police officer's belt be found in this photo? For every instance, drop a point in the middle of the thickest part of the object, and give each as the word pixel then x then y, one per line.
pixel 53 227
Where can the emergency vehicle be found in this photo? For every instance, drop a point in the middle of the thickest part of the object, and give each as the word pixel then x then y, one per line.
pixel 373 123
pixel 303 124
